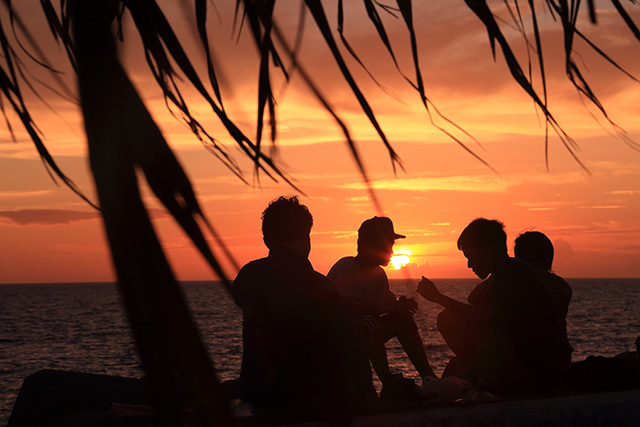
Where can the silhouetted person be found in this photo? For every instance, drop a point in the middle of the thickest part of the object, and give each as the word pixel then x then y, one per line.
pixel 302 357
pixel 506 338
pixel 364 286
pixel 536 249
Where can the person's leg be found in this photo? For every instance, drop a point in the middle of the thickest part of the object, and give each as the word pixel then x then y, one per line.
pixel 485 357
pixel 462 336
pixel 411 342
pixel 378 355
pixel 455 368
pixel 401 324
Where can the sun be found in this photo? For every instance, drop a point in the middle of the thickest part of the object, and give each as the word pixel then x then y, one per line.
pixel 400 259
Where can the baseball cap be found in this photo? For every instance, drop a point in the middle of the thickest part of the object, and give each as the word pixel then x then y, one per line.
pixel 378 227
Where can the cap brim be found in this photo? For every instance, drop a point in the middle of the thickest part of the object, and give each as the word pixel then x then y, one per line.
pixel 398 236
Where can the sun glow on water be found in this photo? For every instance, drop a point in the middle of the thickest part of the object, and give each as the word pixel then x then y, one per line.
pixel 400 259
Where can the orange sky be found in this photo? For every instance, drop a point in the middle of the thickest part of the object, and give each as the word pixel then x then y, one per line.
pixel 48 234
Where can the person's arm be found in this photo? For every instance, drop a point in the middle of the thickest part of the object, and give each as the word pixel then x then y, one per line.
pixel 380 307
pixel 430 292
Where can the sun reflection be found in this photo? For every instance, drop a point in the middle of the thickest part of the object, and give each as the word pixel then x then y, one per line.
pixel 400 259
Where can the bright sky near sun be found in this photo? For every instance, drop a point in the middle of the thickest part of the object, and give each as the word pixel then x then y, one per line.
pixel 48 234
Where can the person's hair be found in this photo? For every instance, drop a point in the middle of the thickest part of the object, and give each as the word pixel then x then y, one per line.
pixel 286 220
pixel 534 247
pixel 482 231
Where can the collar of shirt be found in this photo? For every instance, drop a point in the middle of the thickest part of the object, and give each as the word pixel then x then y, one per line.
pixel 281 253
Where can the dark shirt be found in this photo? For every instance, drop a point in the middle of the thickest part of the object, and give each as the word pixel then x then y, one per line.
pixel 524 313
pixel 561 294
pixel 301 354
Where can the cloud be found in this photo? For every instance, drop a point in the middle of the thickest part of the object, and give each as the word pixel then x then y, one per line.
pixel 625 192
pixel 563 250
pixel 46 216
pixel 61 216
pixel 16 194
pixel 481 184
pixel 601 207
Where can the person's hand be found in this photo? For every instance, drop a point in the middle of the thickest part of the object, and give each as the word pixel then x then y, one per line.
pixel 428 289
pixel 408 304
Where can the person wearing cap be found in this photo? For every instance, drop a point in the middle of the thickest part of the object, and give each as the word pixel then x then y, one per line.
pixel 377 312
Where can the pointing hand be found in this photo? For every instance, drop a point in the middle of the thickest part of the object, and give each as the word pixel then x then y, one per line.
pixel 428 289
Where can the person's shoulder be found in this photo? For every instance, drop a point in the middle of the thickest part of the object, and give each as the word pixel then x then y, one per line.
pixel 557 277
pixel 561 283
pixel 348 260
pixel 244 285
pixel 345 264
pixel 256 264
pixel 515 266
pixel 250 271
pixel 512 270
pixel 323 280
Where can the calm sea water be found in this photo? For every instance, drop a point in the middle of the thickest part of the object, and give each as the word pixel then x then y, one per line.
pixel 82 327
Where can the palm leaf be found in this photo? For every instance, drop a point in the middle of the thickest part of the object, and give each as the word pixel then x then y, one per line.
pixel 317 11
pixel 482 11
pixel 10 88
pixel 119 139
pixel 377 22
pixel 153 28
pixel 625 16
pixel 405 8
pixel 317 93
pixel 201 20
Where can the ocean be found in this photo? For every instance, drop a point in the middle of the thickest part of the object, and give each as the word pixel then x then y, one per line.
pixel 82 327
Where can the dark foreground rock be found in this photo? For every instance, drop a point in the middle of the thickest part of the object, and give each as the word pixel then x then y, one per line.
pixel 64 398
pixel 73 399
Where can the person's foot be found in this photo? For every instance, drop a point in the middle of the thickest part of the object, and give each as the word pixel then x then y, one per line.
pixel 395 388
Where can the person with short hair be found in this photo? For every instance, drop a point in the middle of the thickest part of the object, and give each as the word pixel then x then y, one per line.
pixel 302 359
pixel 364 286
pixel 535 248
pixel 506 338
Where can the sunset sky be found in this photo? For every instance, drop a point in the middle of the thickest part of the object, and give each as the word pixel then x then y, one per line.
pixel 48 234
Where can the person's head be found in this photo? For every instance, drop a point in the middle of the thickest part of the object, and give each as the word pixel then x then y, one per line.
pixel 535 248
pixel 483 242
pixel 376 238
pixel 287 223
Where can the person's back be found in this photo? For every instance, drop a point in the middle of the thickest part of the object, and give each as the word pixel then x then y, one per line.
pixel 536 249
pixel 524 313
pixel 301 357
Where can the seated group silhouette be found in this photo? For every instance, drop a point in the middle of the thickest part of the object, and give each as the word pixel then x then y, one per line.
pixel 310 340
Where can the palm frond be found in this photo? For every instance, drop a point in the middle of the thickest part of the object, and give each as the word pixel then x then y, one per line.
pixel 627 19
pixel 10 87
pixel 121 137
pixel 201 20
pixel 377 22
pixel 317 11
pixel 482 11
pixel 157 35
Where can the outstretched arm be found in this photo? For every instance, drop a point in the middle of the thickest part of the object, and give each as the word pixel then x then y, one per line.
pixel 430 292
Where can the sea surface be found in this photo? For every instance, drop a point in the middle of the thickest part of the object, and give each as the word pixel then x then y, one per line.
pixel 82 327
